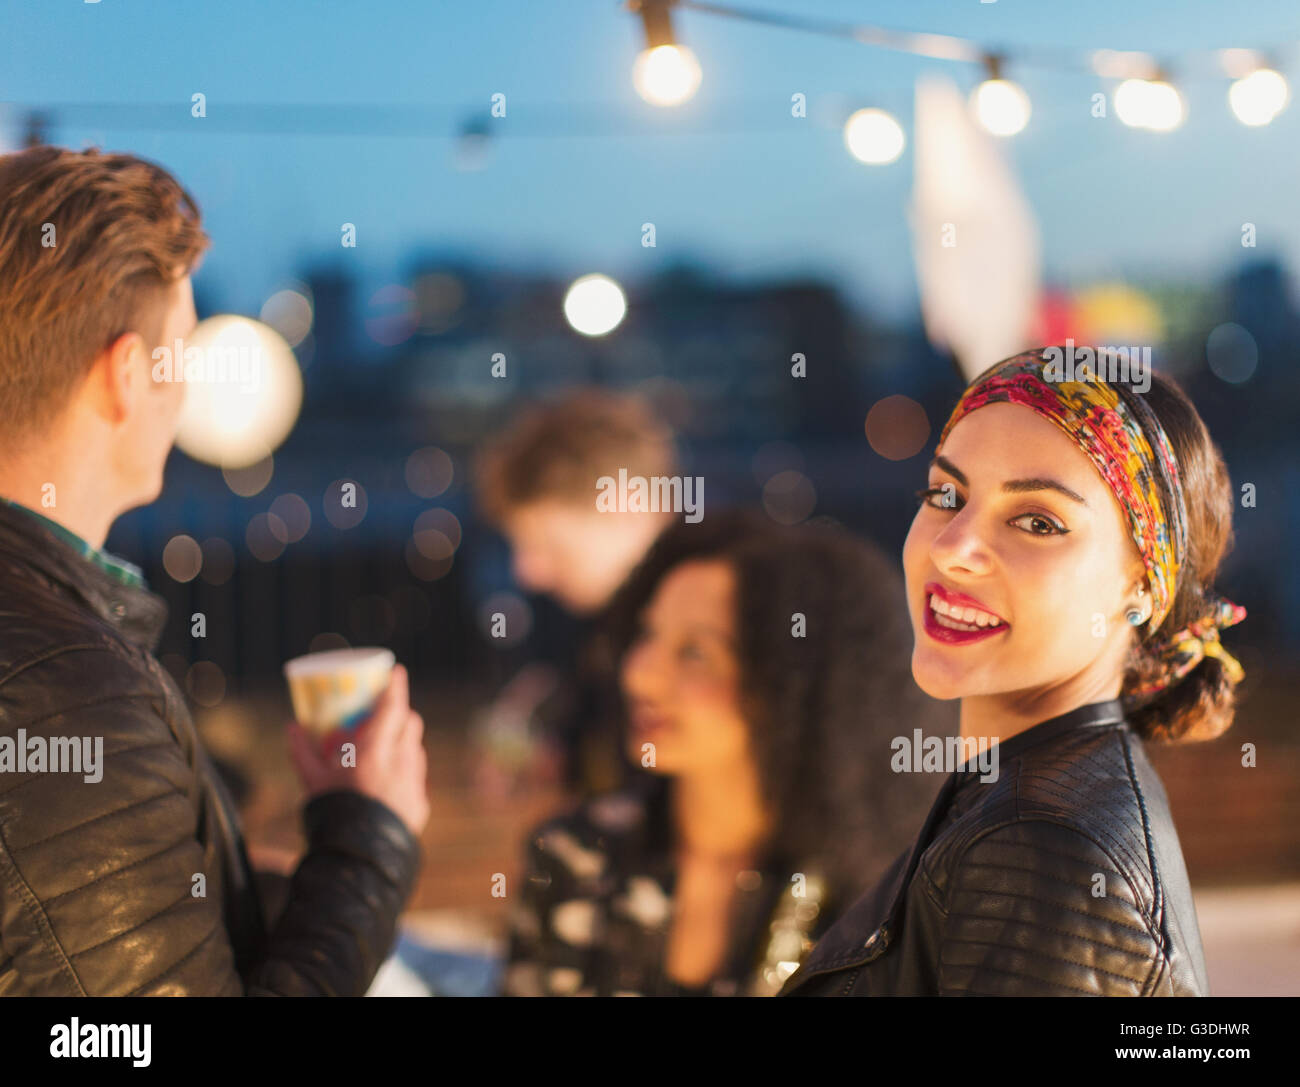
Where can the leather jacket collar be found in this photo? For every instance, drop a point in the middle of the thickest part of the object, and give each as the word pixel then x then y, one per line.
pixel 878 913
pixel 137 614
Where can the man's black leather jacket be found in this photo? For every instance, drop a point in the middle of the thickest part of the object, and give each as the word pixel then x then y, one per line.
pixel 97 878
pixel 1062 877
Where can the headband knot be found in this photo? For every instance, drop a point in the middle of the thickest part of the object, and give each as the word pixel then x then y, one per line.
pixel 1181 652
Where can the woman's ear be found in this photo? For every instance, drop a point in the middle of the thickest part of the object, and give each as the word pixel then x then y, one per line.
pixel 1141 604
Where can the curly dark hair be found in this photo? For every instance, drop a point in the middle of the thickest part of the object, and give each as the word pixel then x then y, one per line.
pixel 823 708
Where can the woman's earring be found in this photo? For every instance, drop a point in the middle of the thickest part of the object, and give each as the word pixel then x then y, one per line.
pixel 1134 615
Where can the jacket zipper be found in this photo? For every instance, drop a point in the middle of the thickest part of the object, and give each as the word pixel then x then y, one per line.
pixel 848 985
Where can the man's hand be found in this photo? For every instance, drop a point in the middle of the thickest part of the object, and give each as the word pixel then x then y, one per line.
pixel 391 764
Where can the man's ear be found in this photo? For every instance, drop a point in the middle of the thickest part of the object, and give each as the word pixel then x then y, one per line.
pixel 117 376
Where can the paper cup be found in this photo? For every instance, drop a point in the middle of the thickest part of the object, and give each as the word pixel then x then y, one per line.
pixel 337 689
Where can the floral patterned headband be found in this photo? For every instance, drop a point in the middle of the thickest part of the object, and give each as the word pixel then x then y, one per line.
pixel 1128 446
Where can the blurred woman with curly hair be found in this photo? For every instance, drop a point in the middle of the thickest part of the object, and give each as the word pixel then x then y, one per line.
pixel 764 671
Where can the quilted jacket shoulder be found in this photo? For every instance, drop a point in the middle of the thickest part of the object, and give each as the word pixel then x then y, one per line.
pixel 1064 876
pixel 127 874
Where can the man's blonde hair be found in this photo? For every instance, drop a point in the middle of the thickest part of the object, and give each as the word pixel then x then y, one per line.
pixel 89 244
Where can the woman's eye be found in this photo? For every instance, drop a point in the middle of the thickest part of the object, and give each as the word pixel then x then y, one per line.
pixel 1038 524
pixel 939 498
pixel 690 652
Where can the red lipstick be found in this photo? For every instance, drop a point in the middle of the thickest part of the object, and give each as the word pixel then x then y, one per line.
pixel 947 634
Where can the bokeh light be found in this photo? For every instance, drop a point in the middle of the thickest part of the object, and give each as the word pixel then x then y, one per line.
pixel 429 472
pixel 874 137
pixel 265 537
pixel 289 312
pixel 182 558
pixel 594 305
pixel 789 497
pixel 1232 353
pixel 897 428
pixel 1001 106
pixel 206 683
pixel 251 479
pixel 437 533
pixel 1259 97
pixel 1153 104
pixel 291 513
pixel 1115 313
pixel 243 391
pixel 666 75
pixel 424 566
pixel 345 503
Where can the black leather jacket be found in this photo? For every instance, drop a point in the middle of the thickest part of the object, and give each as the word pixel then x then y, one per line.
pixel 1062 877
pixel 97 878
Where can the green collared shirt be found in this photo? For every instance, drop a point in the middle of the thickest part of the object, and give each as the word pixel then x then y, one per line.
pixel 118 568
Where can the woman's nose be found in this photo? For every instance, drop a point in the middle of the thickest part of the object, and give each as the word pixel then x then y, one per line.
pixel 962 546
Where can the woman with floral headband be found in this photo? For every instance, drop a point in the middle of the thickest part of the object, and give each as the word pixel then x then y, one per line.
pixel 1059 578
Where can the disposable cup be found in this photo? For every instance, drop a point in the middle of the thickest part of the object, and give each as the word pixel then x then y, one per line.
pixel 337 689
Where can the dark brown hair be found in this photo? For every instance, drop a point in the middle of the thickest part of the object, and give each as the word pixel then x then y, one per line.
pixel 825 708
pixel 89 243
pixel 1200 706
pixel 560 449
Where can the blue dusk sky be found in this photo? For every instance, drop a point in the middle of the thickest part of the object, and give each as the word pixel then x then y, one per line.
pixel 580 162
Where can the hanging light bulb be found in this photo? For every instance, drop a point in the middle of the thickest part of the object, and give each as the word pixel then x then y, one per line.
pixel 1165 110
pixel 665 73
pixel 1001 106
pixel 1131 98
pixel 1153 104
pixel 874 137
pixel 1258 97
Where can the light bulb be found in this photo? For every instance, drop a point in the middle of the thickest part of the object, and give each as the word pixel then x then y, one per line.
pixel 666 75
pixel 1149 103
pixel 1165 110
pixel 874 137
pixel 1001 106
pixel 1259 97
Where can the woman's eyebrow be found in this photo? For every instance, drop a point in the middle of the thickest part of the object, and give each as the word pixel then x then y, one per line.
pixel 1016 486
pixel 1012 486
pixel 951 469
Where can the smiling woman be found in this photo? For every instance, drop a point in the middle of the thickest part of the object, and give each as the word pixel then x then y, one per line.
pixel 1058 581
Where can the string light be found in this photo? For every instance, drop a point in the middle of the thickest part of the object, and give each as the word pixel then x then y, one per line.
pixel 1259 97
pixel 1145 97
pixel 1001 106
pixel 666 73
pixel 874 137
pixel 1153 104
